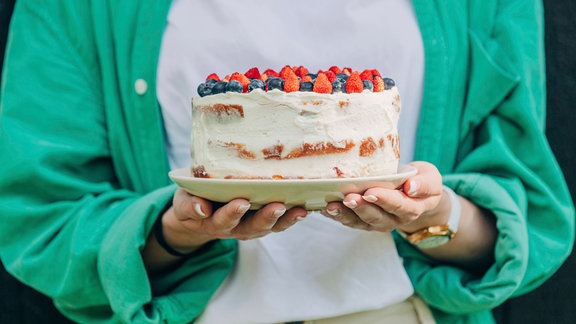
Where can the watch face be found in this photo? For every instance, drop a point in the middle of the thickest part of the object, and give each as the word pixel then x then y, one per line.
pixel 433 241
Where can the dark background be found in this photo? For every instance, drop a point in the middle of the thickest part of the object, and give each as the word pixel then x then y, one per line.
pixel 554 302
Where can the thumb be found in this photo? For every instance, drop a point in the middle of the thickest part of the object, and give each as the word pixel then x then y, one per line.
pixel 425 183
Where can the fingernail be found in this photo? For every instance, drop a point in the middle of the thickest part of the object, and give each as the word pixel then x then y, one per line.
pixel 198 210
pixel 370 198
pixel 350 204
pixel 333 212
pixel 279 212
pixel 300 218
pixel 242 209
pixel 414 185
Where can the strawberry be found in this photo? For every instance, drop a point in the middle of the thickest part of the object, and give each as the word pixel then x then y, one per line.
pixel 291 84
pixel 253 73
pixel 242 79
pixel 375 72
pixel 213 76
pixel 347 70
pixel 354 83
pixel 335 69
pixel 378 84
pixel 322 84
pixel 270 72
pixel 301 71
pixel 306 78
pixel 366 75
pixel 331 76
pixel 286 72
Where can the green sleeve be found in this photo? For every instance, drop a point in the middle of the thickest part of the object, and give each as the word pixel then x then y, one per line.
pixel 505 166
pixel 76 203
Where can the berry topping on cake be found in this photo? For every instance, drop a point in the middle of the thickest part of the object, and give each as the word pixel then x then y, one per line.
pixel 354 83
pixel 378 84
pixel 297 78
pixel 322 84
pixel 253 73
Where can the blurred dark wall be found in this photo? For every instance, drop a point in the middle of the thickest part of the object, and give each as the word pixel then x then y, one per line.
pixel 554 302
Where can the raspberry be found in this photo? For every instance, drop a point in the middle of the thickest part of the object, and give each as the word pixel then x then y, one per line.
pixel 335 69
pixel 242 79
pixel 270 72
pixel 306 78
pixel 331 76
pixel 347 70
pixel 301 71
pixel 354 83
pixel 286 72
pixel 322 84
pixel 213 76
pixel 378 84
pixel 366 75
pixel 253 73
pixel 291 84
pixel 375 72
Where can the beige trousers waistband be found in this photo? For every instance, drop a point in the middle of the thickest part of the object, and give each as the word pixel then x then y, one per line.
pixel 411 311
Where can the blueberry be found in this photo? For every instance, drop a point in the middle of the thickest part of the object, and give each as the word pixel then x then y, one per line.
pixel 343 76
pixel 338 86
pixel 312 76
pixel 256 84
pixel 205 89
pixel 234 86
pixel 368 85
pixel 219 87
pixel 388 83
pixel 306 86
pixel 275 83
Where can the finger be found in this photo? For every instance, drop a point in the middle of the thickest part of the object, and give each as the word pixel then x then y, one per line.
pixel 371 214
pixel 190 207
pixel 227 217
pixel 291 217
pixel 262 221
pixel 427 182
pixel 400 208
pixel 346 215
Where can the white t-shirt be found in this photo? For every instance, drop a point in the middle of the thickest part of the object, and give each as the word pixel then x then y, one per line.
pixel 318 268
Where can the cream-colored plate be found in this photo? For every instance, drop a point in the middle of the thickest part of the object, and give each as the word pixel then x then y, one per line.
pixel 312 194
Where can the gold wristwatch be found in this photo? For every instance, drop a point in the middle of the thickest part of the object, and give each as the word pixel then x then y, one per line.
pixel 434 236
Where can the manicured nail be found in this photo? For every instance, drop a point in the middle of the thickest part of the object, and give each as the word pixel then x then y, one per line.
pixel 279 212
pixel 414 185
pixel 350 204
pixel 198 210
pixel 333 212
pixel 242 209
pixel 370 198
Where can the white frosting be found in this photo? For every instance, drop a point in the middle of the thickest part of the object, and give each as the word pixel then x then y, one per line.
pixel 232 142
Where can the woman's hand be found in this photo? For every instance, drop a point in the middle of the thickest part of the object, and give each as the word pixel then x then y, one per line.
pixel 421 203
pixel 193 221
pixel 383 209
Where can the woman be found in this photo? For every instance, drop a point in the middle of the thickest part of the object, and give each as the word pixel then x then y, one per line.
pixel 85 190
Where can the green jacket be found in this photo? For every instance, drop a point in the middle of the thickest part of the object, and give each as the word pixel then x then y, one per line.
pixel 83 171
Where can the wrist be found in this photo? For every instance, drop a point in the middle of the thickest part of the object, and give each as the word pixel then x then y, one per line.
pixel 439 215
pixel 439 226
pixel 174 238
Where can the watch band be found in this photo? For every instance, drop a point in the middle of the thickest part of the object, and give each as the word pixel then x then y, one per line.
pixel 455 210
pixel 437 235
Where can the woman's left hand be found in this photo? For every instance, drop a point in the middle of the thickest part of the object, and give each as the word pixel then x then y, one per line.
pixel 383 209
